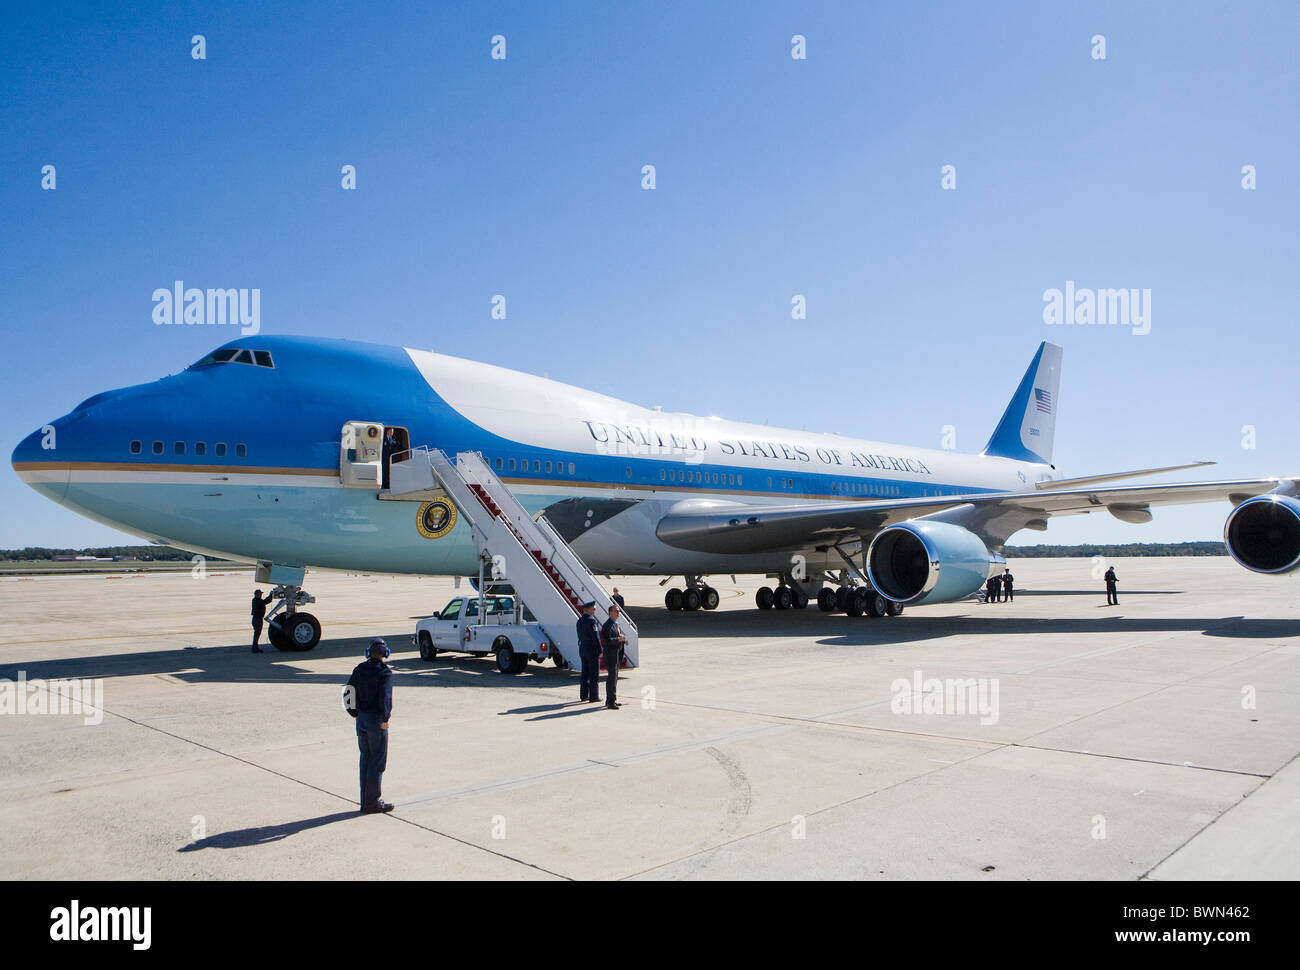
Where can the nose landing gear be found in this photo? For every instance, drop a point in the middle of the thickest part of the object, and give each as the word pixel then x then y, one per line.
pixel 287 627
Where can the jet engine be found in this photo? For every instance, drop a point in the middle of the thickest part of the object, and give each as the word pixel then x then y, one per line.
pixel 919 562
pixel 1263 533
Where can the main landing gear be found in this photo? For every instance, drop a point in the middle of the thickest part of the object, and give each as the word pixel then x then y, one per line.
pixel 287 627
pixel 696 596
pixel 848 597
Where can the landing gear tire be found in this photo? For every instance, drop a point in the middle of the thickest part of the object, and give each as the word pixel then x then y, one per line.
pixel 509 662
pixel 894 609
pixel 673 599
pixel 826 599
pixel 763 598
pixel 274 635
pixel 876 604
pixel 709 598
pixel 856 602
pixel 691 600
pixel 298 632
pixel 427 650
pixel 798 598
pixel 782 598
pixel 842 598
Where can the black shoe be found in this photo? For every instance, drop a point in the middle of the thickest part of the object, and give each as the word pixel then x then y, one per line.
pixel 614 707
pixel 378 808
pixel 593 700
pixel 257 649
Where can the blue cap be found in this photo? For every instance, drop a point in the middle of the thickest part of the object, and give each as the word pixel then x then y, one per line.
pixel 591 604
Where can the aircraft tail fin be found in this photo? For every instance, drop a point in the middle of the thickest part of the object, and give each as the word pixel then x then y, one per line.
pixel 1028 425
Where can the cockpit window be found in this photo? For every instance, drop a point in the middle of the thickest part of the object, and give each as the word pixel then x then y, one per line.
pixel 226 355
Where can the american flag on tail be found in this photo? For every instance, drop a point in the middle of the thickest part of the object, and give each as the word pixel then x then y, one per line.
pixel 1043 400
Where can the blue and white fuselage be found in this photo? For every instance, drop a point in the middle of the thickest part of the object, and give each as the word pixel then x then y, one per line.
pixel 240 458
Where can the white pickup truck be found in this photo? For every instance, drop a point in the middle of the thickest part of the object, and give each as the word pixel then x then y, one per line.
pixel 492 623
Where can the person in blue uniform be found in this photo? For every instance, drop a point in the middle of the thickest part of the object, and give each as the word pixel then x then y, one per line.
pixel 259 614
pixel 1112 594
pixel 1008 586
pixel 991 589
pixel 589 651
pixel 611 641
pixel 369 698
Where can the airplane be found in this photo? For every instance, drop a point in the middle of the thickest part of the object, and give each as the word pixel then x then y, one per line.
pixel 193 461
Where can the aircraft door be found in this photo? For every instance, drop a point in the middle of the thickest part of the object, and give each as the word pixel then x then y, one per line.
pixel 360 454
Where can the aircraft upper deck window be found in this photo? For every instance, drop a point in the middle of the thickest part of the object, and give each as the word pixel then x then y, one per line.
pixel 136 447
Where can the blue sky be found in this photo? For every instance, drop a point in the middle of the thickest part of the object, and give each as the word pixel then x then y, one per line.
pixel 775 177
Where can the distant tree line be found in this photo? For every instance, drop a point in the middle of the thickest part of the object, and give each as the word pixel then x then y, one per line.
pixel 139 553
pixel 1208 548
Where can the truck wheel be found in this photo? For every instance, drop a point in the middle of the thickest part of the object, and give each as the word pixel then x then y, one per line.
pixel 558 660
pixel 509 662
pixel 427 650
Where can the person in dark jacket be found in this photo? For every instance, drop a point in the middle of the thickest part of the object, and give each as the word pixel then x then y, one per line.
pixel 386 453
pixel 259 614
pixel 589 652
pixel 1112 596
pixel 369 698
pixel 618 598
pixel 991 589
pixel 1008 586
pixel 612 640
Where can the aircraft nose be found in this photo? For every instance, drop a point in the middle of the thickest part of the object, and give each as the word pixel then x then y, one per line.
pixel 37 461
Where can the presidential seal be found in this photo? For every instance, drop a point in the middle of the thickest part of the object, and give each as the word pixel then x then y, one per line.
pixel 435 519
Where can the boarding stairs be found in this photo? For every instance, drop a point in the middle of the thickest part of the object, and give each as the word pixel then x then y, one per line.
pixel 550 578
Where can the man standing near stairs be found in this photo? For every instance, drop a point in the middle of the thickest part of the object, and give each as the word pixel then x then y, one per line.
pixel 612 640
pixel 589 652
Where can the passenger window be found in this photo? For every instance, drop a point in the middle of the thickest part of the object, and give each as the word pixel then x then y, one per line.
pixel 221 449
pixel 157 447
pixel 200 448
pixel 537 465
pixel 136 448
pixel 500 464
pixel 180 447
pixel 548 467
pixel 512 464
pixel 572 469
pixel 240 451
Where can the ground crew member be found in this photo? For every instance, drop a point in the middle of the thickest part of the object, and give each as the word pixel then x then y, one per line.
pixel 991 589
pixel 1008 585
pixel 589 652
pixel 612 640
pixel 259 614
pixel 1112 597
pixel 369 698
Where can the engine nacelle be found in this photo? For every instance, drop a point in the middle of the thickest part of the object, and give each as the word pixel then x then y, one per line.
pixel 928 562
pixel 1263 533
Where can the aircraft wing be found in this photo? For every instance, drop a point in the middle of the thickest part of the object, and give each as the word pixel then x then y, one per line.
pixel 994 516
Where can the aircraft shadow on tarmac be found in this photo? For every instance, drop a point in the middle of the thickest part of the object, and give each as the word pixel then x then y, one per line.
pixel 264 834
pixel 235 664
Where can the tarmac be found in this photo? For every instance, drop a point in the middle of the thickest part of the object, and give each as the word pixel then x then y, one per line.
pixel 1049 738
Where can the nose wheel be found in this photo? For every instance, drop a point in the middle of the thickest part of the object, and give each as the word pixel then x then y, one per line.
pixel 292 629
